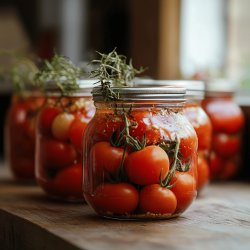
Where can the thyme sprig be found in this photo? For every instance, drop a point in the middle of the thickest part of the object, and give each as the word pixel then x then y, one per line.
pixel 17 70
pixel 113 71
pixel 125 140
pixel 172 148
pixel 62 72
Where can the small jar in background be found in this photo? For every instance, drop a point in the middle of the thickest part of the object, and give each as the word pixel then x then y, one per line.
pixel 140 155
pixel 228 122
pixel 20 133
pixel 60 130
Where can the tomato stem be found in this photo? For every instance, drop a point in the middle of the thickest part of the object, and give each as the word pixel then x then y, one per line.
pixel 168 178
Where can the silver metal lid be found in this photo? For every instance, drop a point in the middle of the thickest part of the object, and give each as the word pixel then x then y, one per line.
pixel 85 87
pixel 166 94
pixel 220 86
pixel 195 89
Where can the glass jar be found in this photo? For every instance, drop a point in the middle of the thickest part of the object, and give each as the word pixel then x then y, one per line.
pixel 140 155
pixel 196 116
pixel 227 121
pixel 20 133
pixel 60 130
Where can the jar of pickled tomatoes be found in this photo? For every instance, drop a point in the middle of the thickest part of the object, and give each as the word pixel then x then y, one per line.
pixel 140 155
pixel 227 121
pixel 60 130
pixel 196 116
pixel 20 133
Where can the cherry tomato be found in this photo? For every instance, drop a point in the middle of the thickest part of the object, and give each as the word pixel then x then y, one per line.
pixel 230 168
pixel 106 159
pixel 76 132
pixel 145 167
pixel 184 190
pixel 226 145
pixel 57 154
pixel 61 125
pixel 225 115
pixel 68 181
pixel 145 123
pixel 46 117
pixel 120 198
pixel 216 165
pixel 188 147
pixel 203 172
pixel 158 200
pixel 201 124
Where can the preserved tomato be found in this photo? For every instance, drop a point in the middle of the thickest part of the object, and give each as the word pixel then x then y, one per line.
pixel 60 131
pixel 20 133
pixel 197 117
pixel 139 155
pixel 227 121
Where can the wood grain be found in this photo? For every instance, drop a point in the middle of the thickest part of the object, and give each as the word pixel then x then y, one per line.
pixel 219 219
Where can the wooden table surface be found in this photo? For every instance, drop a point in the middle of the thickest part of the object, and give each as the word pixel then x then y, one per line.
pixel 219 219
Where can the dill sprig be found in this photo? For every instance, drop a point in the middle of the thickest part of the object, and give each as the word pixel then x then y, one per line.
pixel 62 72
pixel 113 71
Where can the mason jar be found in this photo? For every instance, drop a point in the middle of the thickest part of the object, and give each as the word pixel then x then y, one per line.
pixel 140 155
pixel 227 121
pixel 60 131
pixel 20 133
pixel 196 116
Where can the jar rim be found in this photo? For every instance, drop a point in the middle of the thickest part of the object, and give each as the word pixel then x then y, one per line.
pixel 194 89
pixel 85 87
pixel 169 93
pixel 220 86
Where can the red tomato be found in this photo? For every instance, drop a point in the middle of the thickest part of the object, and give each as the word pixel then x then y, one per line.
pixel 145 167
pixel 184 190
pixel 158 200
pixel 120 198
pixel 226 145
pixel 225 115
pixel 46 117
pixel 230 168
pixel 202 125
pixel 203 172
pixel 68 182
pixel 57 154
pixel 76 132
pixel 215 165
pixel 188 147
pixel 106 159
pixel 145 123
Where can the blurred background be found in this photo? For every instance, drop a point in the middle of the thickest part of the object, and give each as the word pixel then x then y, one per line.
pixel 173 38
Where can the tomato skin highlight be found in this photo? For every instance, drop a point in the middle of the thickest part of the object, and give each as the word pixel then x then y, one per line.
pixel 106 158
pixel 184 189
pixel 158 200
pixel 145 167
pixel 119 198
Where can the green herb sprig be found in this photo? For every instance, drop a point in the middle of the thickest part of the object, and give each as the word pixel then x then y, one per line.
pixel 17 70
pixel 62 72
pixel 113 71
